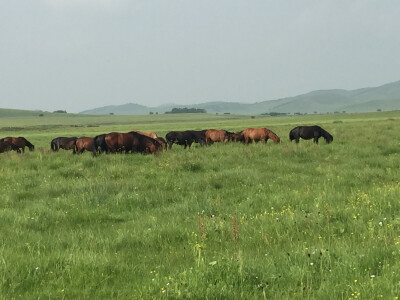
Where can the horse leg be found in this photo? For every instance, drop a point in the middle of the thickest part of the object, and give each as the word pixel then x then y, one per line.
pixel 297 140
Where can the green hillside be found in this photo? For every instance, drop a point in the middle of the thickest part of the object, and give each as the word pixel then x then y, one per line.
pixel 385 97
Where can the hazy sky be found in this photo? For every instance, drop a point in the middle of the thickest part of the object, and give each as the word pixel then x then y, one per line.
pixel 82 54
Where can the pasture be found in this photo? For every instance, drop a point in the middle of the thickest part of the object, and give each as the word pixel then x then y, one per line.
pixel 229 221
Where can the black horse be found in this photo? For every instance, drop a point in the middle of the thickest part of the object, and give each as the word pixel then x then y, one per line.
pixel 186 138
pixel 309 132
pixel 8 146
pixel 67 143
pixel 99 145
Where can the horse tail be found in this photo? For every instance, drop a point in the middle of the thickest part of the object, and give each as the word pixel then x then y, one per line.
pixel 291 135
pixel 294 134
pixel 94 146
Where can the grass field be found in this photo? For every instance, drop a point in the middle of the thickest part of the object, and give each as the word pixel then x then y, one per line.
pixel 230 221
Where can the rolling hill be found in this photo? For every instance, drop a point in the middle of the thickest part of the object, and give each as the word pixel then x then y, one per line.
pixel 385 97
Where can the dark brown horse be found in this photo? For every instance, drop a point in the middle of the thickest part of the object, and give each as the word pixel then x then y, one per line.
pixel 83 143
pixel 20 142
pixel 67 143
pixel 7 146
pixel 237 137
pixel 259 134
pixel 131 142
pixel 309 132
pixel 214 135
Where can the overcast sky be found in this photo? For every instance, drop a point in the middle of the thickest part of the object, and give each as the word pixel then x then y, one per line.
pixel 82 54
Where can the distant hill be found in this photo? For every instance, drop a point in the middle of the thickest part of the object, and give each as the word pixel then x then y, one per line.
pixel 125 109
pixel 6 112
pixel 385 97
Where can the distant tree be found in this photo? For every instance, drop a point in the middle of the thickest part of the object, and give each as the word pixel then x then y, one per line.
pixel 253 117
pixel 111 113
pixel 156 112
pixel 343 112
pixel 379 109
pixel 274 114
pixel 315 112
pixel 150 113
pixel 186 110
pixel 41 115
pixel 60 111
pixel 227 113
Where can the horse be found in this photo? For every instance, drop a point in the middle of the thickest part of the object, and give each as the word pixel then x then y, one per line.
pixel 99 145
pixel 214 135
pixel 145 144
pixel 237 137
pixel 66 143
pixel 7 146
pixel 309 132
pixel 19 142
pixel 186 138
pixel 131 142
pixel 83 143
pixel 259 134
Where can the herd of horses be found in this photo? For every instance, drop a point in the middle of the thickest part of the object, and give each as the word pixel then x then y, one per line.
pixel 148 142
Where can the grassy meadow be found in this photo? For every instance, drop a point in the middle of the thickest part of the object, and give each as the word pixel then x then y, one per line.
pixel 229 221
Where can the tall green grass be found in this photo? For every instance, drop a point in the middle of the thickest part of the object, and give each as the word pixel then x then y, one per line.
pixel 228 221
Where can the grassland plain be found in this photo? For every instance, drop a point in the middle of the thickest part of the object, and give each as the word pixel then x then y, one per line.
pixel 263 221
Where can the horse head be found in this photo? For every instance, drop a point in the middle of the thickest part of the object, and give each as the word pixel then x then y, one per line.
pixel 327 136
pixel 274 137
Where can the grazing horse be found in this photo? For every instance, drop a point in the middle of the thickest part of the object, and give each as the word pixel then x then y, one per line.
pixel 145 144
pixel 7 146
pixel 237 137
pixel 186 138
pixel 259 134
pixel 131 142
pixel 99 144
pixel 66 143
pixel 83 143
pixel 19 142
pixel 309 132
pixel 214 135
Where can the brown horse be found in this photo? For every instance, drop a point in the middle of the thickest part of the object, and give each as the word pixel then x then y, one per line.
pixel 259 134
pixel 82 144
pixel 214 135
pixel 20 142
pixel 131 142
